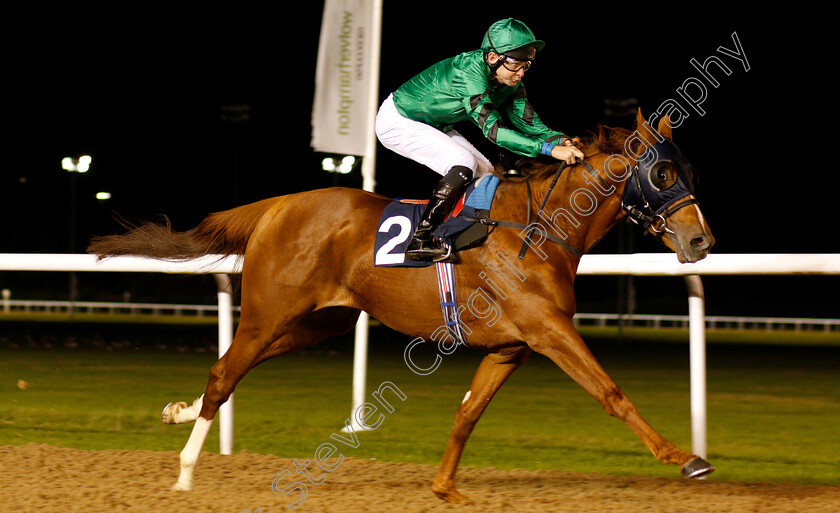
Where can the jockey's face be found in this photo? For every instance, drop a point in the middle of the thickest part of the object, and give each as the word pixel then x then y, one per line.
pixel 510 74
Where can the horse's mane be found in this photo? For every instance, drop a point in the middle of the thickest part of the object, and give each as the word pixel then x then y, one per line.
pixel 603 139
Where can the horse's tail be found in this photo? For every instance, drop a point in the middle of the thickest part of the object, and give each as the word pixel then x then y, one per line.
pixel 221 233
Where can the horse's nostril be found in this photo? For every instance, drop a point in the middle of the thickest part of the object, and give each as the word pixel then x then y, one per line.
pixel 699 243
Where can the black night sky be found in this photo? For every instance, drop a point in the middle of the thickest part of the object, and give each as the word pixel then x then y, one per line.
pixel 143 94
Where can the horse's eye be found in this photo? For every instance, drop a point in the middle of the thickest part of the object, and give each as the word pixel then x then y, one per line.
pixel 663 176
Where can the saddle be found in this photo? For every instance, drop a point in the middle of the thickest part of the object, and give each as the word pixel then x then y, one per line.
pixel 462 230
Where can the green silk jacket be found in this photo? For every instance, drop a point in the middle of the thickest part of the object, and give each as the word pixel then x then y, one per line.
pixel 461 88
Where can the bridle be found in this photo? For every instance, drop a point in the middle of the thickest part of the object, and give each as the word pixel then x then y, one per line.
pixel 648 206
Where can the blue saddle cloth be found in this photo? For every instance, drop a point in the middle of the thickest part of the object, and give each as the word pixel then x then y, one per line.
pixel 400 218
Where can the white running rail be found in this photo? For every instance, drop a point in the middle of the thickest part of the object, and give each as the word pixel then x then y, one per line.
pixel 638 264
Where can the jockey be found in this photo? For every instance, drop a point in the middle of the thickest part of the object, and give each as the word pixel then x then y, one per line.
pixel 416 120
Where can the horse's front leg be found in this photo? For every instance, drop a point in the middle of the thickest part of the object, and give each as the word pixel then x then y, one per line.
pixel 493 371
pixel 564 346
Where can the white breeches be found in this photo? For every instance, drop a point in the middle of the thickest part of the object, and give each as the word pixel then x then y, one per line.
pixel 427 145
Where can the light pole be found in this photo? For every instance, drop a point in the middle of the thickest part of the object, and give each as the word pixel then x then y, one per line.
pixel 74 166
pixel 236 114
pixel 619 111
pixel 338 166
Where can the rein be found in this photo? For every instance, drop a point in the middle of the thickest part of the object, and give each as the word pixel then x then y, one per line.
pixel 558 240
pixel 641 213
pixel 633 202
pixel 550 236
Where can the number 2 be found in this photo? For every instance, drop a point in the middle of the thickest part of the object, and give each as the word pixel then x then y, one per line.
pixel 383 256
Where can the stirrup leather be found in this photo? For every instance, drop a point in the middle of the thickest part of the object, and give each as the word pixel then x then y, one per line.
pixel 423 246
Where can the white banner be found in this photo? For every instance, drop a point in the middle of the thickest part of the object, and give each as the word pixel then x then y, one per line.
pixel 340 110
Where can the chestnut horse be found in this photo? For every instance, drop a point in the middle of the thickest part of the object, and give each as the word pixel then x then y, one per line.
pixel 309 271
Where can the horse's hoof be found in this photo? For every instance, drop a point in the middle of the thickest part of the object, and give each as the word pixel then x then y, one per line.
pixel 167 416
pixel 696 467
pixel 449 494
pixel 181 487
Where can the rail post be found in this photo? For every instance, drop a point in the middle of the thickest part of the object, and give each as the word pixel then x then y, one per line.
pixel 697 350
pixel 225 298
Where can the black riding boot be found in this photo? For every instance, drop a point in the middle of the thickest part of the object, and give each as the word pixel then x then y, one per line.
pixel 423 246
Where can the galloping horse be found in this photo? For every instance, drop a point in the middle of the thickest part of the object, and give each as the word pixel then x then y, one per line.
pixel 306 277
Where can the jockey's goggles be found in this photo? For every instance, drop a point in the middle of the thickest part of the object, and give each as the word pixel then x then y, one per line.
pixel 512 64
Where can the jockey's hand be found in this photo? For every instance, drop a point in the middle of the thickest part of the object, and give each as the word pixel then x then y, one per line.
pixel 568 154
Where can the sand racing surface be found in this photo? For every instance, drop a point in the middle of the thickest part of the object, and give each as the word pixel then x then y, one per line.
pixel 42 478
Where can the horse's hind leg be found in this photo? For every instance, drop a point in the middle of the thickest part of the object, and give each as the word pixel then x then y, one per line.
pixel 249 348
pixel 180 413
pixel 224 375
pixel 492 373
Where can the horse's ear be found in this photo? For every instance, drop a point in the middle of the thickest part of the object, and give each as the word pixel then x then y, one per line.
pixel 640 120
pixel 645 133
pixel 664 128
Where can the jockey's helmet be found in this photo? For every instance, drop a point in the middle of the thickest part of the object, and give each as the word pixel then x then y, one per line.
pixel 512 38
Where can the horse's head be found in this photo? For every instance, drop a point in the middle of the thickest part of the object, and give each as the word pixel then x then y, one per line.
pixel 659 194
